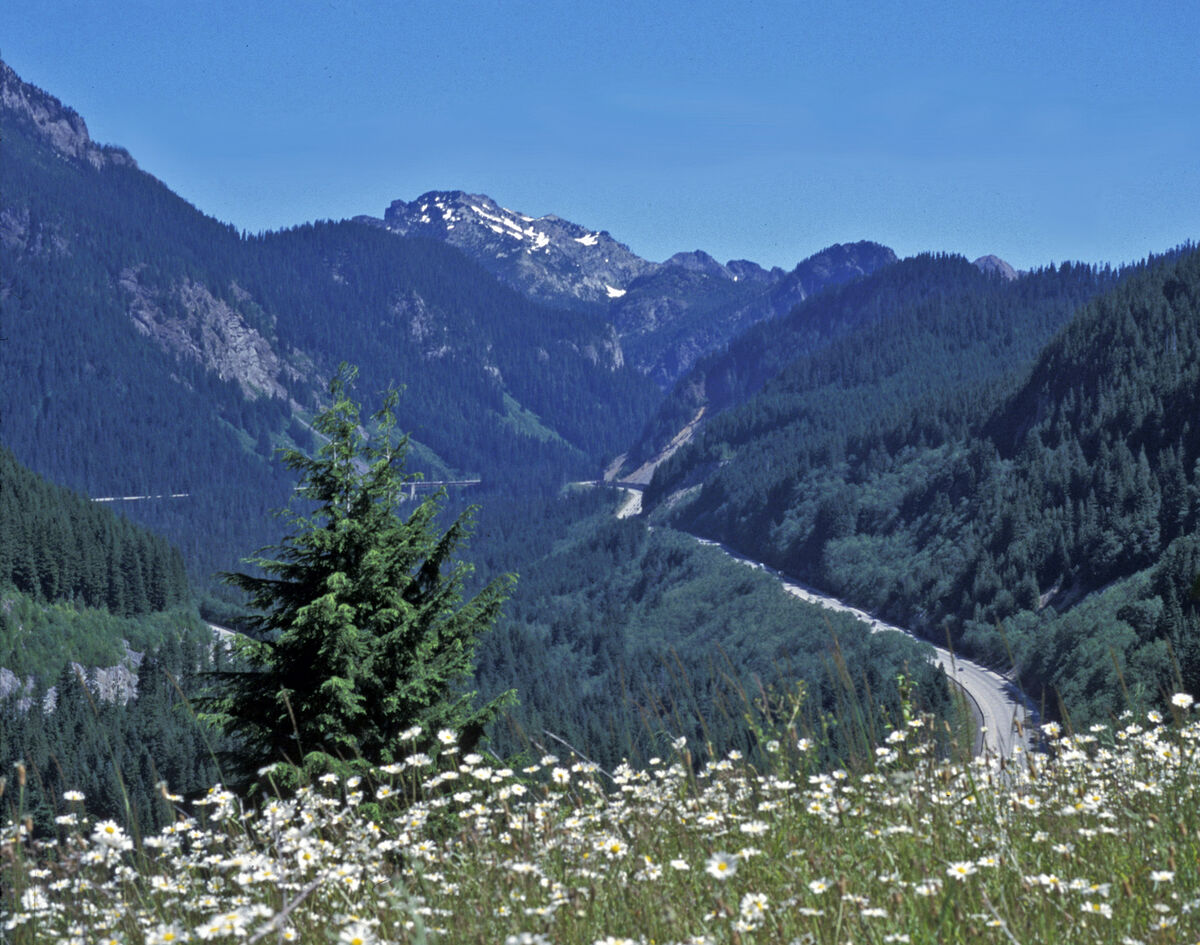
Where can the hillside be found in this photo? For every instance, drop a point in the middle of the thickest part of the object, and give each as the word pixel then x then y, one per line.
pixel 98 642
pixel 970 501
pixel 55 545
pixel 171 354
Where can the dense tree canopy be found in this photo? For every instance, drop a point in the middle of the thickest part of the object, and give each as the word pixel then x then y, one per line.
pixel 953 466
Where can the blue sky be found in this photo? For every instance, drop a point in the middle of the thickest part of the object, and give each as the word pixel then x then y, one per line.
pixel 764 130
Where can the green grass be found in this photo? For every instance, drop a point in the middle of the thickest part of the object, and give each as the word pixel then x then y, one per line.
pixel 527 423
pixel 39 639
pixel 1097 840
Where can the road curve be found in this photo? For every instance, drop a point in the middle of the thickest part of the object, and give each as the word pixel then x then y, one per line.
pixel 1007 717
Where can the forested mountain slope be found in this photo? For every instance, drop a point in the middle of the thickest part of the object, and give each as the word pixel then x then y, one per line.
pixel 55 545
pixel 88 599
pixel 620 638
pixel 150 349
pixel 909 470
pixel 853 358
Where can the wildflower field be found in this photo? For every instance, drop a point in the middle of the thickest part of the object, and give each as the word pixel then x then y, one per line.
pixel 1095 840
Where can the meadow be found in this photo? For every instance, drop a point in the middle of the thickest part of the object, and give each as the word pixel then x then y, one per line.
pixel 1094 839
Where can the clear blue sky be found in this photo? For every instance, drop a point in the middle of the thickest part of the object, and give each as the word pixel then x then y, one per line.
pixel 765 130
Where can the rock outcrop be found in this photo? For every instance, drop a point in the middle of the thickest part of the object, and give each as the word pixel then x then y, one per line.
pixel 117 683
pixel 994 264
pixel 189 321
pixel 546 258
pixel 61 127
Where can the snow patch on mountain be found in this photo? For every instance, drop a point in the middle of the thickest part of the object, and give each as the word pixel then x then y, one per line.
pixel 547 258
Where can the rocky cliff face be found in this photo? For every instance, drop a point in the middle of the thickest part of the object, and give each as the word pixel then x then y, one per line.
pixel 13 686
pixel 189 321
pixel 107 683
pixel 61 127
pixel 111 683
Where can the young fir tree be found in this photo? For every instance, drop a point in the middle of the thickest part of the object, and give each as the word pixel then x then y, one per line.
pixel 362 631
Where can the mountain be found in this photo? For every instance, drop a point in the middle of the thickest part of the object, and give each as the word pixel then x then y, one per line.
pixel 666 314
pixel 548 259
pixel 153 350
pixel 730 376
pixel 692 305
pixel 1010 464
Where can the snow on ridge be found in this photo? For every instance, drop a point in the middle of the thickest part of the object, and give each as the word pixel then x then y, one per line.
pixel 591 239
pixel 511 228
pixel 612 293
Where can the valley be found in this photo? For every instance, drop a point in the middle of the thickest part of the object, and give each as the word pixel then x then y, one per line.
pixel 1001 460
pixel 588 474
pixel 1006 717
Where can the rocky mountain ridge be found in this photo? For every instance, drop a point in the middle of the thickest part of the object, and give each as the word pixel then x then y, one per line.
pixel 547 258
pixel 61 127
pixel 666 314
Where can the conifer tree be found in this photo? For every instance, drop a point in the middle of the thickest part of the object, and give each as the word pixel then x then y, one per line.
pixel 362 631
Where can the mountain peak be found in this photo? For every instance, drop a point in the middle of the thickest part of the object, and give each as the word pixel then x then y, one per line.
pixel 61 127
pixel 862 258
pixel 699 261
pixel 832 266
pixel 995 265
pixel 547 258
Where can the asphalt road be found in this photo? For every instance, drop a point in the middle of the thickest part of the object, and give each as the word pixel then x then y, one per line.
pixel 1006 717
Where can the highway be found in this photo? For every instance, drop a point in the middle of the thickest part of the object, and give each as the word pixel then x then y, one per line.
pixel 1006 717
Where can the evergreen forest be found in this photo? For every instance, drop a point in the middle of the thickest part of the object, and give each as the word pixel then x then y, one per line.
pixel 619 639
pixel 1009 466
pixel 976 464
